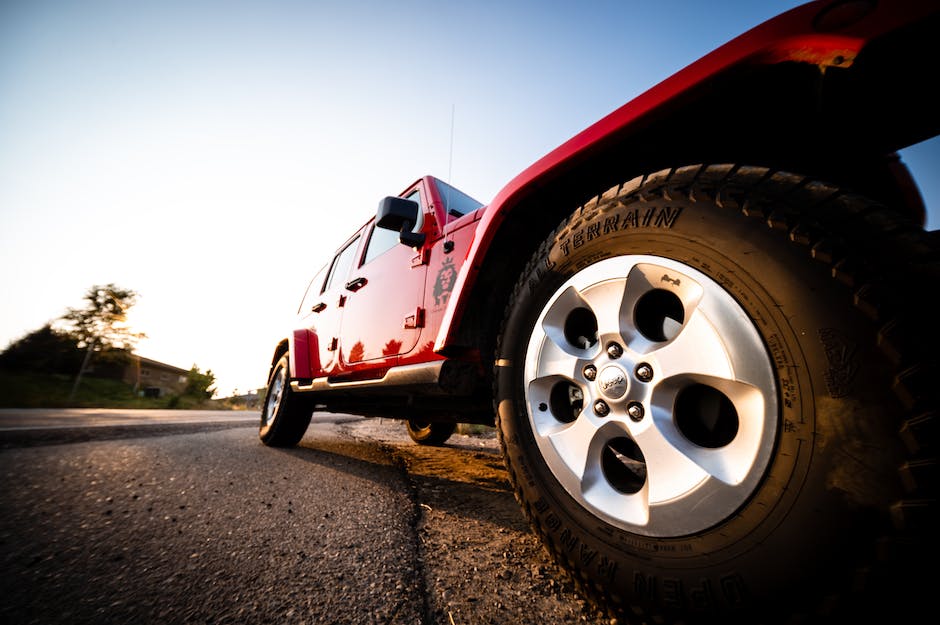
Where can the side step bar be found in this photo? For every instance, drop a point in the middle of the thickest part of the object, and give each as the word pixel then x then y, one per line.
pixel 409 375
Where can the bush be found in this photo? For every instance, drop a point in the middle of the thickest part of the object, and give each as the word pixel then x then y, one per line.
pixel 43 351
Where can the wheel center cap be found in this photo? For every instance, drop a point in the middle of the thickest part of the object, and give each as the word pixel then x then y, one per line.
pixel 612 382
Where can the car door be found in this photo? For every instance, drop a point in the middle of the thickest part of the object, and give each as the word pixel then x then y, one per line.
pixel 326 306
pixel 383 315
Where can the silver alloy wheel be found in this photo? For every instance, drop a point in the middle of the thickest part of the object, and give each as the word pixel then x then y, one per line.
pixel 651 395
pixel 275 394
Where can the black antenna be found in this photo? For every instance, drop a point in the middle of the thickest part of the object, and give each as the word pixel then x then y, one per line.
pixel 450 165
pixel 450 162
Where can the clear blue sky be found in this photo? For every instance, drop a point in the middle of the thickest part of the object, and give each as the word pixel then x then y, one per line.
pixel 210 154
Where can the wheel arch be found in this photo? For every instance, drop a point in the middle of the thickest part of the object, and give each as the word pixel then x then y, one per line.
pixel 282 346
pixel 834 106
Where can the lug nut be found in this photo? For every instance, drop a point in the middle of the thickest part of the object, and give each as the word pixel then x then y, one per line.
pixel 644 372
pixel 601 409
pixel 614 350
pixel 590 372
pixel 635 410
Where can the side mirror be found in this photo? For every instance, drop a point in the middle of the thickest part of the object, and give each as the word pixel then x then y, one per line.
pixel 397 213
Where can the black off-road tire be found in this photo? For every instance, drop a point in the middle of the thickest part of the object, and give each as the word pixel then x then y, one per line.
pixel 285 415
pixel 806 312
pixel 430 433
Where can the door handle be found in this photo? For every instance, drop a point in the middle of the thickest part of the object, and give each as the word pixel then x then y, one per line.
pixel 355 285
pixel 318 307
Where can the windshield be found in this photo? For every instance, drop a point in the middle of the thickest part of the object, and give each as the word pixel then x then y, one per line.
pixel 456 202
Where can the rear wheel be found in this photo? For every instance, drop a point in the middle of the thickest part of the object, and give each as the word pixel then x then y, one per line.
pixel 430 433
pixel 285 415
pixel 700 384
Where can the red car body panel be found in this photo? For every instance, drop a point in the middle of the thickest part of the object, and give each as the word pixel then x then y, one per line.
pixel 303 353
pixel 798 35
pixel 390 320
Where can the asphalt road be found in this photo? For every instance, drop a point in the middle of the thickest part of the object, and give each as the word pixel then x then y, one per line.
pixel 116 517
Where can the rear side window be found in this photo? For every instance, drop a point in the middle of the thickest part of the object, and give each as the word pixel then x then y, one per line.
pixel 342 263
pixel 314 289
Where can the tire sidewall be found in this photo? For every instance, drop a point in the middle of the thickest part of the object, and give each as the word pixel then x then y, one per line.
pixel 269 431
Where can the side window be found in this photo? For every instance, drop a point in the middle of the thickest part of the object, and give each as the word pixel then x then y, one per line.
pixel 342 264
pixel 456 202
pixel 314 289
pixel 382 240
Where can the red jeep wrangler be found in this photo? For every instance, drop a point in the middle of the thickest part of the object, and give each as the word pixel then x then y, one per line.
pixel 701 328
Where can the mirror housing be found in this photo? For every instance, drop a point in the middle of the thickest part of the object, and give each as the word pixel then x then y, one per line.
pixel 398 213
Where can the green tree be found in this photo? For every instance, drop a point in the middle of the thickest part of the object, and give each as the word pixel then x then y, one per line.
pixel 45 350
pixel 101 325
pixel 199 384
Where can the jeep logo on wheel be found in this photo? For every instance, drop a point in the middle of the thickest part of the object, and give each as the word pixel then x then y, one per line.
pixel 613 382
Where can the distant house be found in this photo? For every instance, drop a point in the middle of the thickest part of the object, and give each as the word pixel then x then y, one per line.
pixel 151 378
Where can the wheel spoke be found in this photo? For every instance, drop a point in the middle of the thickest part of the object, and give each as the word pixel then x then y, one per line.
pixel 670 469
pixel 554 360
pixel 604 485
pixel 606 301
pixel 572 444
pixel 554 403
pixel 569 323
pixel 695 349
pixel 728 463
pixel 634 508
pixel 657 302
